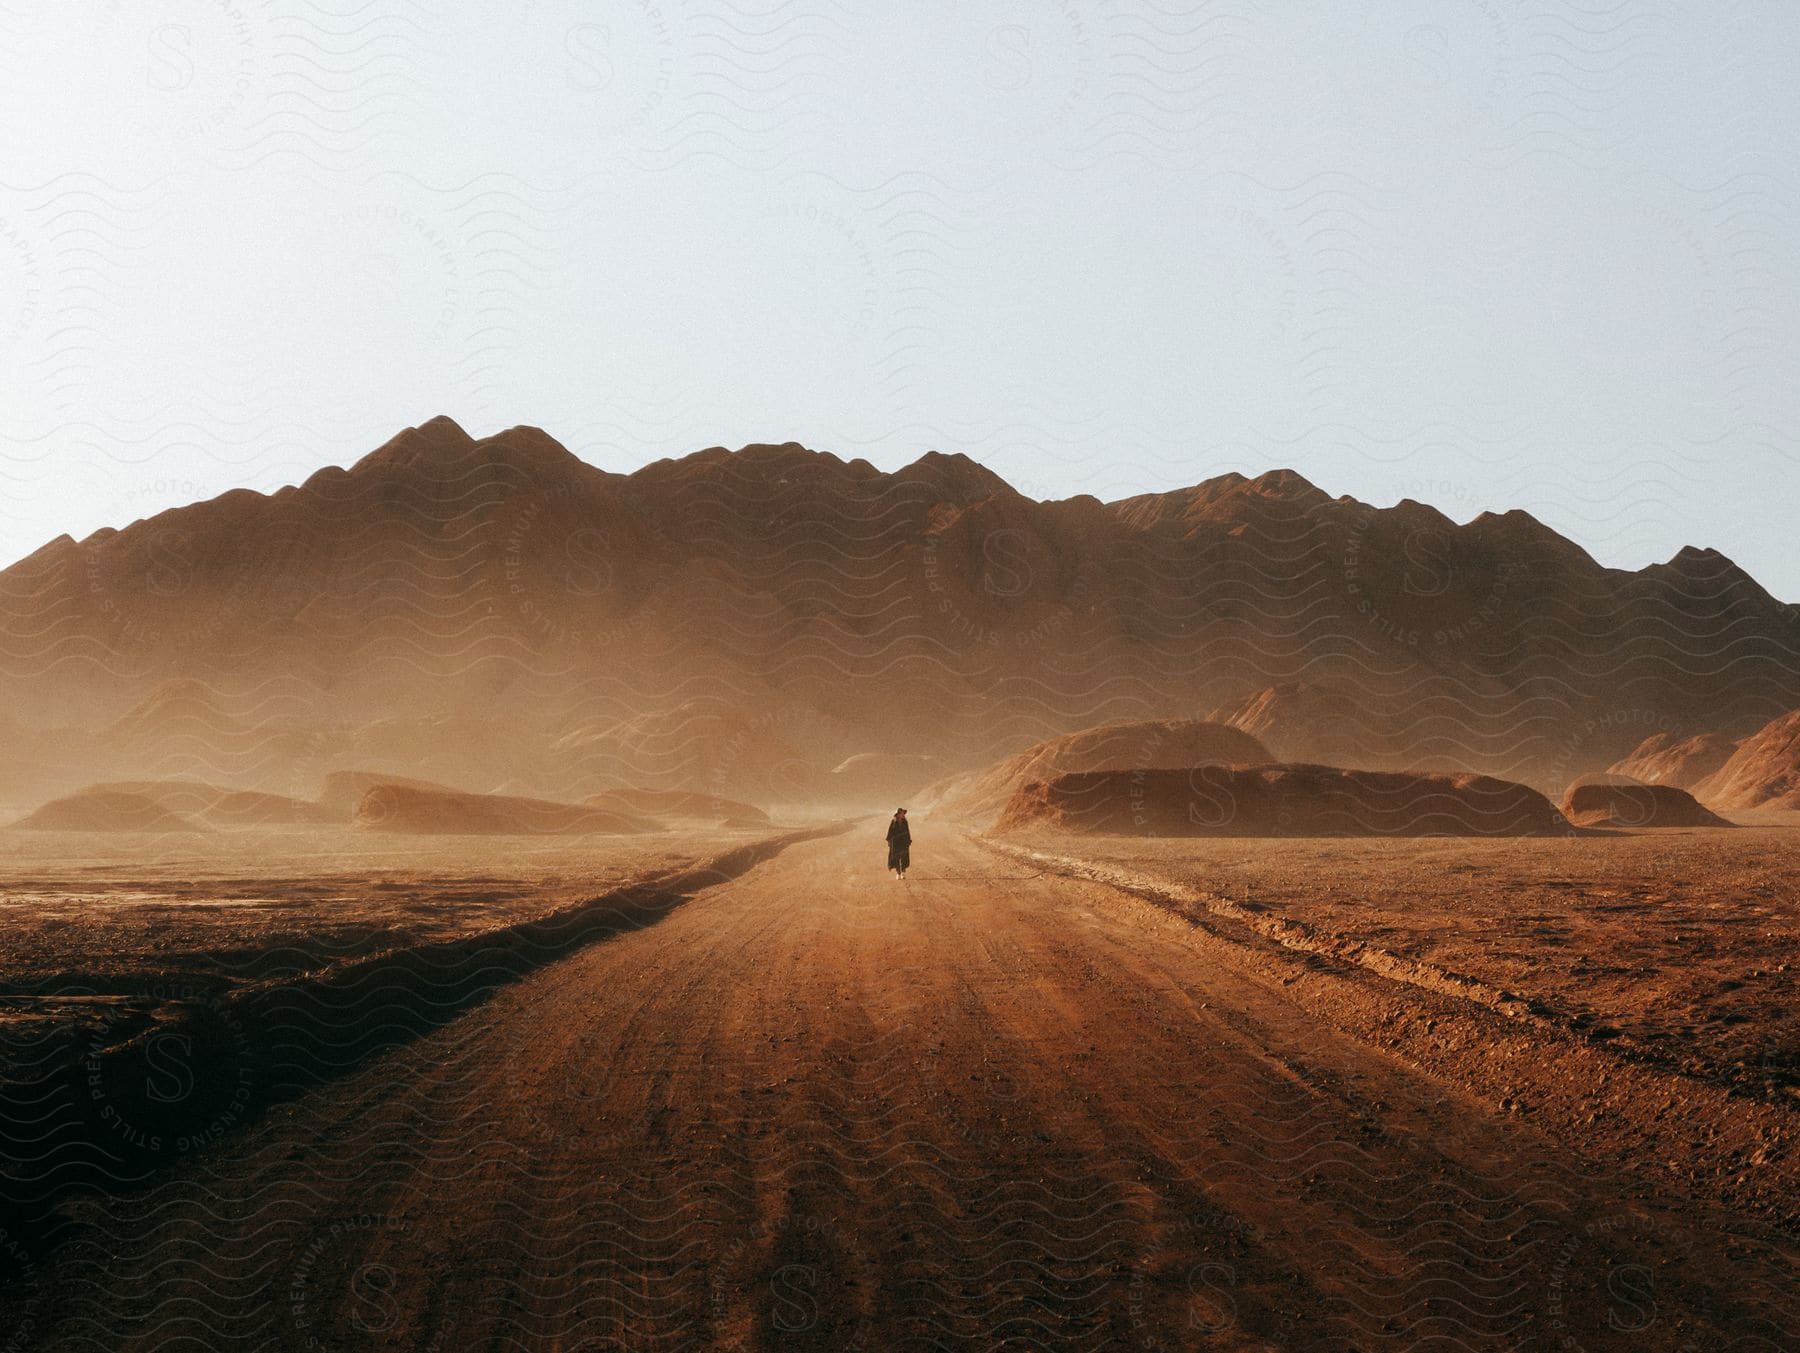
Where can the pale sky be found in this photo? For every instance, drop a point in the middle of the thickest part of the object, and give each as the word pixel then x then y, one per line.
pixel 1480 253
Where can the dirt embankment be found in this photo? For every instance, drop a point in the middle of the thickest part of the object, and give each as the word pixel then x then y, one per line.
pixel 1587 983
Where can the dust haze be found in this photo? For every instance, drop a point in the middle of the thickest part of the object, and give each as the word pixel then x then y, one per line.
pixel 448 894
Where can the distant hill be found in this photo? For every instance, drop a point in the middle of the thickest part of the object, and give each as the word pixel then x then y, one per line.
pixel 1279 800
pixel 106 810
pixel 496 613
pixel 1664 759
pixel 225 807
pixel 676 806
pixel 1304 722
pixel 1763 770
pixel 1635 805
pixel 1123 746
pixel 439 812
pixel 344 790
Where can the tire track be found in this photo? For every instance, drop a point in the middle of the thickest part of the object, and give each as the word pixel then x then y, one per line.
pixel 813 1108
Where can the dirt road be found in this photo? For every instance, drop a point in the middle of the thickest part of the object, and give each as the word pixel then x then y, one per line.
pixel 815 1108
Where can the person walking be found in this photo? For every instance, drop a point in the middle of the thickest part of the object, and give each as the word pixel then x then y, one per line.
pixel 899 844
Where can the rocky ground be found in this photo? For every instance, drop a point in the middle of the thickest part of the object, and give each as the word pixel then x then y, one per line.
pixel 1648 983
pixel 1017 1101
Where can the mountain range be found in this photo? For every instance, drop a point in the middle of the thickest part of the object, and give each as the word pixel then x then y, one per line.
pixel 779 624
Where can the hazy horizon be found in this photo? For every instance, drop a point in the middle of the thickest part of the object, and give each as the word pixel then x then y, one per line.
pixel 1473 255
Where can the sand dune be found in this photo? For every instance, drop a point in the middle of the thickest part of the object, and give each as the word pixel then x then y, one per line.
pixel 408 808
pixel 1600 804
pixel 1280 800
pixel 104 810
pixel 1124 746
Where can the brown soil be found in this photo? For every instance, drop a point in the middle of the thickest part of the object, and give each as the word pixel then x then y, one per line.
pixel 89 945
pixel 1673 950
pixel 1296 800
pixel 993 1106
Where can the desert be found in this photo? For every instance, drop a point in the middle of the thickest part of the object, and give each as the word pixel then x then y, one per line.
pixel 531 973
pixel 1103 676
pixel 1496 1073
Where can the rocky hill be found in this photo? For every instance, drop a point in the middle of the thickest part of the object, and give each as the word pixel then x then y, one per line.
pixel 495 613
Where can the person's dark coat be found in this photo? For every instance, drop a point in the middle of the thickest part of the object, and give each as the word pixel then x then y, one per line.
pixel 899 840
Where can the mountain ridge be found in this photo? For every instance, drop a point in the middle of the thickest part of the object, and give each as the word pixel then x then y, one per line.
pixel 733 620
pixel 413 448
